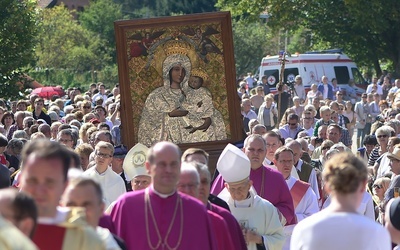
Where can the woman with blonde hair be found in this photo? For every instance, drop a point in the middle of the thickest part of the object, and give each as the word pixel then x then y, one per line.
pixel 268 112
pixel 340 226
pixel 379 188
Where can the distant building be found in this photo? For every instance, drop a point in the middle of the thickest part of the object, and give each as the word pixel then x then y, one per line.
pixel 77 5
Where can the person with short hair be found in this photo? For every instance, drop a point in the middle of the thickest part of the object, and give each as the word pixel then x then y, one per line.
pixel 268 183
pixel 215 204
pixel 304 199
pixel 87 193
pixel 345 178
pixel 67 138
pixel 84 150
pixel 111 183
pixel 20 209
pixel 189 182
pixel 38 113
pixel 155 207
pixel 292 127
pixel 44 172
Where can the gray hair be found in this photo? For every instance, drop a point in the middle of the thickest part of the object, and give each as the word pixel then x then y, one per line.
pixel 387 130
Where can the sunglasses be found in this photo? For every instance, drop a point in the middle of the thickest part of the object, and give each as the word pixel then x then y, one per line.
pixel 377 186
pixel 87 107
pixel 382 136
pixel 325 148
pixel 292 124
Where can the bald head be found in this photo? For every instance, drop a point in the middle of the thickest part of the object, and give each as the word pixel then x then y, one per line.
pixel 163 165
pixel 295 146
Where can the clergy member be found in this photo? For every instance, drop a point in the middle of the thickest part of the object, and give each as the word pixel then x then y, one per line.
pixel 159 217
pixel 306 171
pixel 87 193
pixel 268 183
pixel 258 218
pixel 44 171
pixel 204 191
pixel 304 199
pixel 189 182
pixel 111 183
pixel 135 169
pixel 201 156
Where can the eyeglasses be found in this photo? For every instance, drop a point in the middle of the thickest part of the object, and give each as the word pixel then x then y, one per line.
pixel 188 186
pixel 106 156
pixel 377 186
pixel 325 148
pixel 292 124
pixel 87 107
pixel 339 94
pixel 64 140
pixel 382 136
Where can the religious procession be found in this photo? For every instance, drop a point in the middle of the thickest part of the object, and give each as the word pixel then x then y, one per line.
pixel 144 131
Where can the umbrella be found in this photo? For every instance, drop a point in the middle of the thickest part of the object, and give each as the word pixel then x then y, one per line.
pixel 48 91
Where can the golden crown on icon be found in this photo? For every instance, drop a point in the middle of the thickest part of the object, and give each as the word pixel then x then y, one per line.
pixel 199 72
pixel 176 47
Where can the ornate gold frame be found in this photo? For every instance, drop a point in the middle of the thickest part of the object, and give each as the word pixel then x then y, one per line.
pixel 139 68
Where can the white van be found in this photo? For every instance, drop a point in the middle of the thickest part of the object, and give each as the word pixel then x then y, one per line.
pixel 311 67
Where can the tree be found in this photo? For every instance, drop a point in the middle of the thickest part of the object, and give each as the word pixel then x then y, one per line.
pixel 99 18
pixel 149 8
pixel 251 44
pixel 367 36
pixel 17 41
pixel 63 43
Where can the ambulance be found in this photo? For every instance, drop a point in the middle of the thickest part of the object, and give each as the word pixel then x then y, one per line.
pixel 311 66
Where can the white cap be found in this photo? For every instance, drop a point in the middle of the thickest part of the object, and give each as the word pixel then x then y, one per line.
pixel 134 161
pixel 233 164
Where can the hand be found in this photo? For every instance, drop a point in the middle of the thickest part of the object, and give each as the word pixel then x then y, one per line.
pixel 178 112
pixel 252 236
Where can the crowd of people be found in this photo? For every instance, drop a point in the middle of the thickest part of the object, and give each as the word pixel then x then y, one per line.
pixel 294 183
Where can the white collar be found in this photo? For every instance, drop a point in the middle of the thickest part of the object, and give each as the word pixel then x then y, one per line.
pixel 60 216
pixel 164 196
pixel 299 163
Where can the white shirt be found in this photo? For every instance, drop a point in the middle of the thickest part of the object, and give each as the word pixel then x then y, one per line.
pixel 325 94
pixel 345 231
pixel 111 183
pixel 306 207
pixel 384 166
pixel 293 173
pixel 378 89
pixel 312 180
pixel 107 238
pixel 366 206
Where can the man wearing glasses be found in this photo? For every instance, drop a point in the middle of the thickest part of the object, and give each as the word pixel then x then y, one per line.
pixel 308 122
pixel 290 129
pixel 111 183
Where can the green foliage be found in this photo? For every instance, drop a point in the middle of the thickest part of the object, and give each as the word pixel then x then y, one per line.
pixel 148 8
pixel 63 43
pixel 17 39
pixel 251 43
pixel 367 36
pixel 99 18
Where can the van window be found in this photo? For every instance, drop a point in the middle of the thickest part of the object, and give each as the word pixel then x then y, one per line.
pixel 358 79
pixel 342 74
pixel 290 74
pixel 272 77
